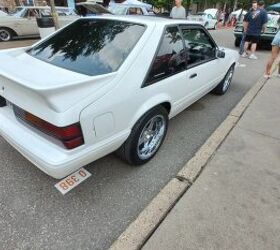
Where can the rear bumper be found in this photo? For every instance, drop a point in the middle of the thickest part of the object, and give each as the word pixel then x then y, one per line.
pixel 47 156
pixel 264 36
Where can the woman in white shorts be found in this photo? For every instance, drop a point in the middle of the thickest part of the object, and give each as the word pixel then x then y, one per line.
pixel 274 53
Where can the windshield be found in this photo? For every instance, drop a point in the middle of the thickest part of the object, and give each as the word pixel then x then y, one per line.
pixel 117 10
pixel 90 46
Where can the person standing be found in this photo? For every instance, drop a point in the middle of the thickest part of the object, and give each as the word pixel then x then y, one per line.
pixel 253 27
pixel 178 11
pixel 275 51
pixel 245 26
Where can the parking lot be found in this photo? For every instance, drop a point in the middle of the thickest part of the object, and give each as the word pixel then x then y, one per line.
pixel 34 215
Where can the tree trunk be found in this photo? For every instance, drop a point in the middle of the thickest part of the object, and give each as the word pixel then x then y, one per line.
pixel 54 14
pixel 235 5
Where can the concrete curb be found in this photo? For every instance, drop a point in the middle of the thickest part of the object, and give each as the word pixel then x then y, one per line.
pixel 139 231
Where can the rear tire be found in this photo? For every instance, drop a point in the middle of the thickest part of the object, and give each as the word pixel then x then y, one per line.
pixel 237 42
pixel 145 139
pixel 225 83
pixel 6 34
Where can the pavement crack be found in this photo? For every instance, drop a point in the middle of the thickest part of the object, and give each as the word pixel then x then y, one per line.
pixel 183 179
pixel 259 133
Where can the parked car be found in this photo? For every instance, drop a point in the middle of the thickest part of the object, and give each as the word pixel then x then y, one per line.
pixel 267 36
pixel 2 13
pixel 87 90
pixel 129 9
pixel 207 20
pixel 90 8
pixel 23 22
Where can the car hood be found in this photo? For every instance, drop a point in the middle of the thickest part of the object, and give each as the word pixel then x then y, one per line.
pixel 24 77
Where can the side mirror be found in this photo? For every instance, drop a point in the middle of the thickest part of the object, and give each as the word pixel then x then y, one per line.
pixel 220 53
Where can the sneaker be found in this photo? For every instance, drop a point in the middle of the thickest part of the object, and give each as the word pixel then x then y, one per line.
pixel 252 56
pixel 244 54
pixel 278 75
pixel 266 76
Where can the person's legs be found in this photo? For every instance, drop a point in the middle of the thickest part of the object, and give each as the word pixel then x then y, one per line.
pixel 253 48
pixel 241 47
pixel 246 45
pixel 274 53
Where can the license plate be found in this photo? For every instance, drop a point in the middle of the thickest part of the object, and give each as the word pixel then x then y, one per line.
pixel 71 181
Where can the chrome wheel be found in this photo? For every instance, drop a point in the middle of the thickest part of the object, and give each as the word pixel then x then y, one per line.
pixel 228 79
pixel 5 35
pixel 151 137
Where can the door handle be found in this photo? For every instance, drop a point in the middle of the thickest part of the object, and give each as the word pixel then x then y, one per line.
pixel 193 75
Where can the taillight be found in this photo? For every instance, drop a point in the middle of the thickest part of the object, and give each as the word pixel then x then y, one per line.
pixel 71 136
pixel 3 102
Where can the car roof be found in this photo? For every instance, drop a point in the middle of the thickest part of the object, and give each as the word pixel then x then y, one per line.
pixel 41 7
pixel 127 5
pixel 146 20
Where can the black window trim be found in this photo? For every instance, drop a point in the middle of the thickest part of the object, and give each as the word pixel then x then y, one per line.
pixel 180 28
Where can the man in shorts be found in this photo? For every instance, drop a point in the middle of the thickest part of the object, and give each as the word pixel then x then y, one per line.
pixel 245 26
pixel 253 27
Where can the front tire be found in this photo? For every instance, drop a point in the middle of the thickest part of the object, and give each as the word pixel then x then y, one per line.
pixel 215 26
pixel 146 137
pixel 5 34
pixel 225 83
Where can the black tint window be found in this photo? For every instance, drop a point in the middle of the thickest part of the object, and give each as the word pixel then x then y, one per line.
pixel 92 47
pixel 170 58
pixel 199 46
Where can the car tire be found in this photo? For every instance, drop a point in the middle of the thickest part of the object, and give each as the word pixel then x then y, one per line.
pixel 6 34
pixel 145 138
pixel 215 26
pixel 237 42
pixel 223 86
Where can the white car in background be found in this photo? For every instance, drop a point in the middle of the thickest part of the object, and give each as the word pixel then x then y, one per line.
pixel 87 90
pixel 2 13
pixel 207 20
pixel 23 22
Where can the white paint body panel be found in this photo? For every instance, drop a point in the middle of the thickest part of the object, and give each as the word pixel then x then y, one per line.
pixel 107 106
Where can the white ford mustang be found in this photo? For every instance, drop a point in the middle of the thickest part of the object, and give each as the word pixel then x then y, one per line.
pixel 105 84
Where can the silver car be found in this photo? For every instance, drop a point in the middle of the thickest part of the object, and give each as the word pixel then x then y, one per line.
pixel 23 22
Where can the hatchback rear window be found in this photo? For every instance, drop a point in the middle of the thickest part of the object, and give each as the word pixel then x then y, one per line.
pixel 90 46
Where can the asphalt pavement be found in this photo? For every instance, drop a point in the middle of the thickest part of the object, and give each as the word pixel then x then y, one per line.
pixel 33 215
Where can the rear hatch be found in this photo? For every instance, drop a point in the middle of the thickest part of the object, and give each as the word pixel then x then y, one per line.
pixel 42 88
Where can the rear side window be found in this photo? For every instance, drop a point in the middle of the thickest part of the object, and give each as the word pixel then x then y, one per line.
pixel 91 47
pixel 170 58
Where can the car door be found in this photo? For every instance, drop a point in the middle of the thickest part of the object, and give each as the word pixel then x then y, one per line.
pixel 28 24
pixel 168 73
pixel 204 69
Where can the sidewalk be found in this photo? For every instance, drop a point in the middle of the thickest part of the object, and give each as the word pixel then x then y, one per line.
pixel 235 202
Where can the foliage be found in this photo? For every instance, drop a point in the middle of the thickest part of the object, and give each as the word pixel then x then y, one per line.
pixel 246 4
